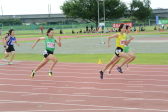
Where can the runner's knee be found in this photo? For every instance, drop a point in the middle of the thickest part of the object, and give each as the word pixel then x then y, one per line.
pixel 128 57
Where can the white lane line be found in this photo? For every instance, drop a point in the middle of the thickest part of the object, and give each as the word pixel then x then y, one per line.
pixel 81 66
pixel 74 100
pixel 116 74
pixel 47 83
pixel 91 83
pixel 135 81
pixel 80 105
pixel 81 93
pixel 39 88
pixel 90 110
pixel 31 94
pixel 134 92
pixel 133 99
pixel 135 86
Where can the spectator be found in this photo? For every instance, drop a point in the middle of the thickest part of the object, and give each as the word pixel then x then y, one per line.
pixel 163 26
pixel 84 31
pixel 134 29
pixel 167 25
pixel 61 32
pixel 80 31
pixel 86 28
pixel 107 31
pixel 89 31
pixel 41 29
pixel 91 28
pixel 155 28
pixel 0 31
pixel 94 31
pixel 73 32
pixel 142 29
pixel 113 30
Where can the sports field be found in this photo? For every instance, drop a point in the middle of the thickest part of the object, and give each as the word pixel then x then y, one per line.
pixel 75 85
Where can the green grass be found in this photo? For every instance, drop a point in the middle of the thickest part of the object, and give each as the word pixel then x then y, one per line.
pixel 27 34
pixel 141 58
pixel 68 31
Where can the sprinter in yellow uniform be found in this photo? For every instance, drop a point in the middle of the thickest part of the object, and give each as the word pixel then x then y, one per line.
pixel 120 43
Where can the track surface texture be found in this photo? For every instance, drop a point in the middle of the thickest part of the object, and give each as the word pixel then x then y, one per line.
pixel 76 87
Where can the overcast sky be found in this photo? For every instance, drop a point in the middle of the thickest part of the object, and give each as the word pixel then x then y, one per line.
pixel 15 7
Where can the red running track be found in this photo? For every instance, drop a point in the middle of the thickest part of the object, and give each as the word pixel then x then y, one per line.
pixel 77 87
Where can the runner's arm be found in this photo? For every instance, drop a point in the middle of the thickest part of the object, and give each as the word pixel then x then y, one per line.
pixel 58 40
pixel 128 41
pixel 3 40
pixel 41 38
pixel 17 43
pixel 113 36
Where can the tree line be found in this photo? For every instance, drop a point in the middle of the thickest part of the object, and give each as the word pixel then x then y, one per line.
pixel 114 9
pixel 10 21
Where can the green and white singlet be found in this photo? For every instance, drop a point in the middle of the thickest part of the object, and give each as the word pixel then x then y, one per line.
pixel 127 48
pixel 50 44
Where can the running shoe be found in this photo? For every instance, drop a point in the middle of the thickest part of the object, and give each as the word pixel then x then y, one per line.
pixel 32 74
pixel 50 73
pixel 10 63
pixel 109 73
pixel 126 66
pixel 119 69
pixel 4 60
pixel 101 74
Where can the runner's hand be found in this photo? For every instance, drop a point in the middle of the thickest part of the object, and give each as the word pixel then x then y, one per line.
pixel 131 38
pixel 59 38
pixel 33 46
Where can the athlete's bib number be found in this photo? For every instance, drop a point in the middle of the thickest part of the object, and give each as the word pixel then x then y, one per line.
pixel 122 42
pixel 13 42
pixel 50 45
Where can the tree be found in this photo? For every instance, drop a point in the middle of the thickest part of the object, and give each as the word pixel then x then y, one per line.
pixel 10 21
pixel 141 10
pixel 88 10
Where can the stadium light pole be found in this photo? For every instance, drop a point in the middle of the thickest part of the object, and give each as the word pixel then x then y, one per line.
pixel 98 11
pixel 103 11
pixel 2 16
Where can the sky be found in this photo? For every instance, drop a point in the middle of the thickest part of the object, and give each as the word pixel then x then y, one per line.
pixel 17 7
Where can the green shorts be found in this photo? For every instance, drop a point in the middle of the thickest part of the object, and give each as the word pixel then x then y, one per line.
pixel 126 49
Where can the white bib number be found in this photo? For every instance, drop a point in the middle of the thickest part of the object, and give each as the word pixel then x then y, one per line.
pixel 13 42
pixel 122 42
pixel 50 45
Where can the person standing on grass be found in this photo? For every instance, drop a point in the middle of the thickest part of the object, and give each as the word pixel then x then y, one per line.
pixel 4 44
pixel 41 29
pixel 10 41
pixel 120 43
pixel 48 52
pixel 0 32
pixel 126 50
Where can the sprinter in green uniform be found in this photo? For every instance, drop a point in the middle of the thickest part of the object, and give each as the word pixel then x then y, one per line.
pixel 48 52
pixel 126 50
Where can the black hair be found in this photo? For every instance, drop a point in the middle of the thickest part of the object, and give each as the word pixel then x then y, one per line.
pixel 10 31
pixel 121 26
pixel 127 26
pixel 48 31
pixel 7 34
